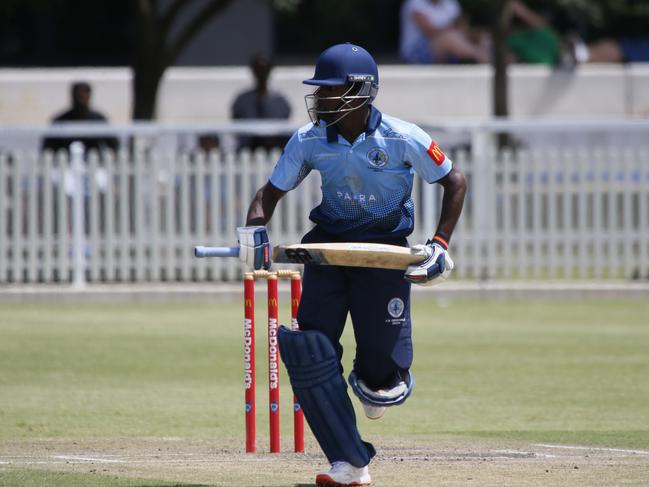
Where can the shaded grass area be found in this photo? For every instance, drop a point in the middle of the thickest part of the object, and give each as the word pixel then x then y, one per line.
pixel 544 371
pixel 40 478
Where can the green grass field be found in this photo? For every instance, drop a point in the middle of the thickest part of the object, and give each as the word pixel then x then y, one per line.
pixel 571 372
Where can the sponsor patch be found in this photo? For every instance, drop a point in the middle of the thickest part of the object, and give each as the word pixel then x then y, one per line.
pixel 388 133
pixel 325 155
pixel 360 77
pixel 309 134
pixel 435 153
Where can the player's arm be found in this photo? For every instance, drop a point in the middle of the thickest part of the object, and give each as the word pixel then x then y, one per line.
pixel 437 267
pixel 454 184
pixel 263 205
pixel 254 244
pixel 432 164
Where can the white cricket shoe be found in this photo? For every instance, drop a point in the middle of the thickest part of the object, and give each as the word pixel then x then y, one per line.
pixel 343 474
pixel 377 412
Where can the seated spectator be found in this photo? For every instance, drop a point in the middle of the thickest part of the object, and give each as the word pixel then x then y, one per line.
pixel 626 50
pixel 80 111
pixel 261 103
pixel 532 40
pixel 433 31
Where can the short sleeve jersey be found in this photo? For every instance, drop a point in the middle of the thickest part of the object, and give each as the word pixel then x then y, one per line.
pixel 367 185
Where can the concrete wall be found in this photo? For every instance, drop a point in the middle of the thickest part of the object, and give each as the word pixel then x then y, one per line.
pixel 421 94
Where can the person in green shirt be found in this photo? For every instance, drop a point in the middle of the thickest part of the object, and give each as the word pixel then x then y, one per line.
pixel 534 41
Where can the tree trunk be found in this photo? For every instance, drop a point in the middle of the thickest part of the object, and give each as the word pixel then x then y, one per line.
pixel 147 70
pixel 155 51
pixel 146 81
pixel 500 31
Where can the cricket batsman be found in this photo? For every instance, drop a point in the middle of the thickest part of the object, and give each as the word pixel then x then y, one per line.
pixel 367 161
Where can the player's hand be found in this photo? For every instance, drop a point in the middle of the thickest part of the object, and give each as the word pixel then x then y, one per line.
pixel 434 269
pixel 254 247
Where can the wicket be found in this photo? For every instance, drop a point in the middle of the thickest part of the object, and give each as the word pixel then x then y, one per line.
pixel 272 278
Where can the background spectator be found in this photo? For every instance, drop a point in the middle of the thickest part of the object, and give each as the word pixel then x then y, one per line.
pixel 261 103
pixel 532 40
pixel 208 142
pixel 561 36
pixel 609 50
pixel 80 111
pixel 433 31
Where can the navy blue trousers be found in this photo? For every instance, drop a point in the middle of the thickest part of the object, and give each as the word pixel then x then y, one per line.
pixel 378 301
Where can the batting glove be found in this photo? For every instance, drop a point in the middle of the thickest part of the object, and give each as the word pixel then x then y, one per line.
pixel 435 268
pixel 254 247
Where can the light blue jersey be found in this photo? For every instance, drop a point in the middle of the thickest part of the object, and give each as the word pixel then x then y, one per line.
pixel 367 185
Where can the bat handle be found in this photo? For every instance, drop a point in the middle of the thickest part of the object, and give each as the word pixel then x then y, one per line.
pixel 200 251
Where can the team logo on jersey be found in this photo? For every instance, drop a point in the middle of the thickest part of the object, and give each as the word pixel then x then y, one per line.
pixel 377 157
pixel 395 307
pixel 355 183
pixel 435 153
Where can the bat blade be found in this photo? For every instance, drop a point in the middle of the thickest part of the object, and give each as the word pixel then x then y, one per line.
pixel 349 254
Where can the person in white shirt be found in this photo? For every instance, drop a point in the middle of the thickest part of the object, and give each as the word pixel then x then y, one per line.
pixel 432 31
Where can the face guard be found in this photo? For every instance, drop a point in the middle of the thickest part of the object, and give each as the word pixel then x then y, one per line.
pixel 360 87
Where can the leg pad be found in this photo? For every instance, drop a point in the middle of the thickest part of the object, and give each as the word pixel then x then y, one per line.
pixel 314 370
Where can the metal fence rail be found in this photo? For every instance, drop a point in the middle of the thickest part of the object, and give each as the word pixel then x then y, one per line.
pixel 545 212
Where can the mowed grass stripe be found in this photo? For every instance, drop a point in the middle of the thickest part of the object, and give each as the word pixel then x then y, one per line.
pixel 547 371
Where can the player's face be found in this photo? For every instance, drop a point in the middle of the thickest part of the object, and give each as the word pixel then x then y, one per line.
pixel 333 103
pixel 328 99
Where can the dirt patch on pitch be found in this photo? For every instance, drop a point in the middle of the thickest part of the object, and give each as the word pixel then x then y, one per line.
pixel 448 461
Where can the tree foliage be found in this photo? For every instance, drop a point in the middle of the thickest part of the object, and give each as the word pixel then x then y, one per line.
pixel 589 18
pixel 304 28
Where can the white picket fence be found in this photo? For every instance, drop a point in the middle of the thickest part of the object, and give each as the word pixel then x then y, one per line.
pixel 550 212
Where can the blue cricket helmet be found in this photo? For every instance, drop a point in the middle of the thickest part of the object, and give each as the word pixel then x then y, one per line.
pixel 343 65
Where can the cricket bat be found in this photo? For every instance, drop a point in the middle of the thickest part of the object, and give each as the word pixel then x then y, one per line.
pixel 352 254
